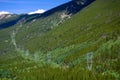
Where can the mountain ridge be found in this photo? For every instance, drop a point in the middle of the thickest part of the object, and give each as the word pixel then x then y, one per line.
pixel 70 7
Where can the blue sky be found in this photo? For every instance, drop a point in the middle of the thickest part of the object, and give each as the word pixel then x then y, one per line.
pixel 26 6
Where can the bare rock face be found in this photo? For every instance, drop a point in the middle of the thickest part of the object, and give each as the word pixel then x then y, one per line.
pixel 5 16
pixel 82 2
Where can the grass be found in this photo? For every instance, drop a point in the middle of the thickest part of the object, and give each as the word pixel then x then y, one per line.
pixel 60 53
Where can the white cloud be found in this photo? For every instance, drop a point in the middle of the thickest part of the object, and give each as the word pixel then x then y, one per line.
pixel 4 12
pixel 39 11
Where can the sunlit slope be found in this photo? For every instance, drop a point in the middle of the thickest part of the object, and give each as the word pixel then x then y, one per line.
pixel 99 22
pixel 29 26
pixel 48 21
pixel 83 47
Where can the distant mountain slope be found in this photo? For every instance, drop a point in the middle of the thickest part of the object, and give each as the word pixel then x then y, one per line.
pixel 7 20
pixel 47 21
pixel 28 26
pixel 82 27
pixel 51 17
pixel 70 8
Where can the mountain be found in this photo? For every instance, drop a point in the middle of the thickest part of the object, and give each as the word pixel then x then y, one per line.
pixel 5 16
pixel 38 24
pixel 69 8
pixel 79 40
pixel 7 19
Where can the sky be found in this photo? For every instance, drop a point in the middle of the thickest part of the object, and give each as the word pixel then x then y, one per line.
pixel 28 6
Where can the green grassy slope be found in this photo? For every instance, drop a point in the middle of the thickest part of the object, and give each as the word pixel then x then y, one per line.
pixel 92 24
pixel 91 38
pixel 29 26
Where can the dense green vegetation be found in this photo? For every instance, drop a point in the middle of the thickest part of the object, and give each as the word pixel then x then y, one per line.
pixel 84 47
